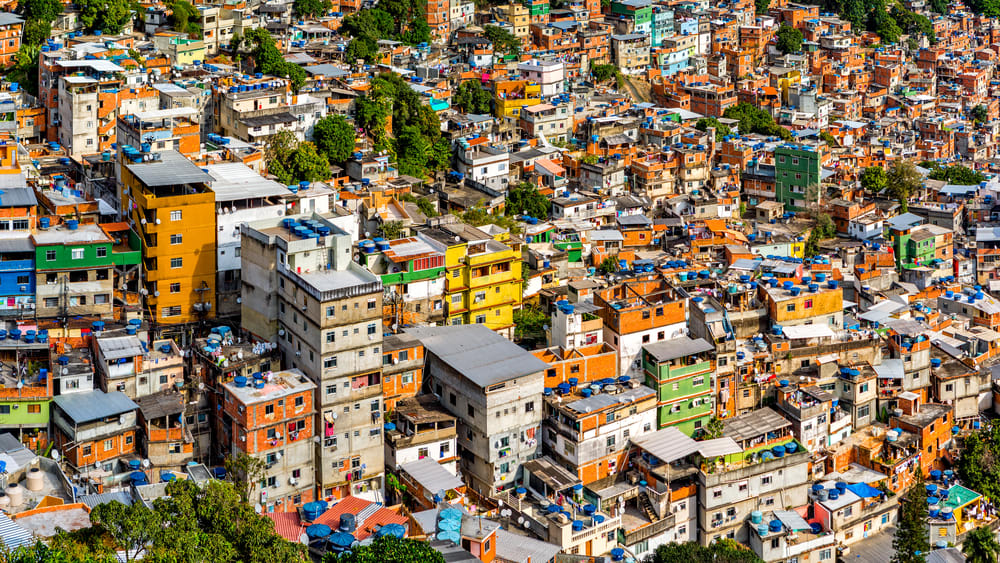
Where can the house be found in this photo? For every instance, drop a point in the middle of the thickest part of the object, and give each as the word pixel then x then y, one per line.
pixel 95 428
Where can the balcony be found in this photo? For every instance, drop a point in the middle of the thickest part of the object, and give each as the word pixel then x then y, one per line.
pixel 16 265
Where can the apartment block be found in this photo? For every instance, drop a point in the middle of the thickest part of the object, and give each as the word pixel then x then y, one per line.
pixel 681 371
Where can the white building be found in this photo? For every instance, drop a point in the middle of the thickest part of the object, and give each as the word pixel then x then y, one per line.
pixel 550 75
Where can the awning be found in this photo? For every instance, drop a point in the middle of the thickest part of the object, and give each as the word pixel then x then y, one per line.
pixel 792 520
pixel 808 331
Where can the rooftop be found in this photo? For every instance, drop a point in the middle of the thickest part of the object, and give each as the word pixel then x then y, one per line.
pixel 278 384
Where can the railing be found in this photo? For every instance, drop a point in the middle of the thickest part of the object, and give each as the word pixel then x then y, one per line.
pixel 649 530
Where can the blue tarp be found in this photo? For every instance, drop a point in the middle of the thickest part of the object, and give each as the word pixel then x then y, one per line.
pixel 864 490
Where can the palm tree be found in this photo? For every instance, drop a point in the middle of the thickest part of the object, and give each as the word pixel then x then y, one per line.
pixel 981 546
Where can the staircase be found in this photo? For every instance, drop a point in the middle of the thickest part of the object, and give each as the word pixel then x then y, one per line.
pixel 647 507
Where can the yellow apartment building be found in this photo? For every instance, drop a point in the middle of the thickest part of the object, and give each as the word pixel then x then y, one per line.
pixel 482 276
pixel 166 198
pixel 512 95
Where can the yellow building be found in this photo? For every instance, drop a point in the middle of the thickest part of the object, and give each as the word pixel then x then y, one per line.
pixel 482 276
pixel 512 95
pixel 167 199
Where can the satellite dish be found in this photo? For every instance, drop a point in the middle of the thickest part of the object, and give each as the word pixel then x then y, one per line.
pixel 520 519
pixel 201 385
pixel 257 508
pixel 145 463
pixel 97 465
pixel 304 539
pixel 54 455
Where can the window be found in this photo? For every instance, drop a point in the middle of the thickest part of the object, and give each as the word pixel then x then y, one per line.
pixel 330 362
pixel 422 453
pixel 34 409
pixel 176 263
pixel 175 288
pixel 50 255
pixel 717 494
pixel 102 252
pixel 791 307
pixel 76 253
pixel 371 304
pixel 101 299
pixel 863 411
pixel 529 406
pixel 331 337
pixel 698 381
pixel 808 304
pixel 480 319
pixel 371 329
pixel 765 480
pixel 109 444
pixel 472 411
pixel 172 311
pixel 175 215
pixel 331 311
pixel 176 239
pixel 86 449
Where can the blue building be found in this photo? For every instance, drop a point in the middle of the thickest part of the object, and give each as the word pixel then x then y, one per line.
pixel 17 253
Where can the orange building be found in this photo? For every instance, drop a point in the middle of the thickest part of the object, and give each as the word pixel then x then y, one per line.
pixel 402 368
pixel 931 423
pixel 585 364
pixel 94 428
pixel 10 37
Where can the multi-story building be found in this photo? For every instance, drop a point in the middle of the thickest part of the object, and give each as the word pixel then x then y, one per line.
pixel 489 165
pixel 639 313
pixel 272 418
pixel 494 388
pixel 126 364
pixel 808 408
pixel 18 209
pixel 791 304
pixel 413 274
pixel 254 110
pixel 73 265
pixel 439 19
pixel 590 435
pixel 483 276
pixel 797 175
pixel 166 198
pixel 638 15
pixel 550 75
pixel 420 429
pixel 630 52
pixel 329 326
pixel 94 428
pixel 551 122
pixel 402 368
pixel 165 439
pixel 10 37
pixel 680 370
pixel 172 128
pixel 510 96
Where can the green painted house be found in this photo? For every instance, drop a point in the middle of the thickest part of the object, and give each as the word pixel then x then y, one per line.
pixel 680 370
pixel 73 265
pixel 797 171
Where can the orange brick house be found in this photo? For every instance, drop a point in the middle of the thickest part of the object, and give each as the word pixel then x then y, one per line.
pixel 94 428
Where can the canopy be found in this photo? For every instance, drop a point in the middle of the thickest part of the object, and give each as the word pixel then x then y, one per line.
pixel 864 490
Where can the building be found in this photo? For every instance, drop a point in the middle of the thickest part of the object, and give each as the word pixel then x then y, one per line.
pixel 168 200
pixel 95 428
pixel 550 75
pixel 630 52
pixel 639 313
pixel 165 439
pixel 791 304
pixel 126 364
pixel 402 368
pixel 494 389
pixel 797 173
pixel 482 276
pixel 413 273
pixel 18 210
pixel 11 27
pixel 73 267
pixel 680 370
pixel 421 429
pixel 273 419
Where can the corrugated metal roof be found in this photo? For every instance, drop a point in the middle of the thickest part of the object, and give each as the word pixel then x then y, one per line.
pixel 235 180
pixel 718 447
pixel 792 520
pixel 431 476
pixel 120 347
pixel 890 369
pixel 478 353
pixel 16 245
pixel 12 535
pixel 94 405
pixel 667 350
pixel 753 424
pixel 105 498
pixel 172 169
pixel 668 444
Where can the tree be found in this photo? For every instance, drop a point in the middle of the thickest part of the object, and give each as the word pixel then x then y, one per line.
pixel 109 16
pixel 36 32
pixel 132 527
pixel 882 23
pixel 525 199
pixel 755 120
pixel 25 69
pixel 530 322
pixel 721 131
pixel 713 429
pixel 980 113
pixel 311 8
pixel 334 138
pixel 184 17
pixel 269 60
pixel 392 230
pixel 981 546
pixel 910 543
pixel 722 551
pixel 603 73
pixel 363 47
pixel 902 180
pixel 472 98
pixel 389 549
pixel 939 6
pixel 873 179
pixel 789 39
pixel 957 174
pixel 829 139
pixel 761 6
pixel 989 8
pixel 608 266
pixel 40 10
pixel 307 164
pixel 503 40
pixel 245 472
pixel 979 464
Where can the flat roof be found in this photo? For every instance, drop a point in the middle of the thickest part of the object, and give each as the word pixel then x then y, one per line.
pixel 234 180
pixel 281 384
pixel 478 353
pixel 94 405
pixel 431 475
pixel 753 424
pixel 100 65
pixel 667 350
pixel 172 169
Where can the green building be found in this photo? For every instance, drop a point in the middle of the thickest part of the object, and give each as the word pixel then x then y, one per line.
pixel 911 243
pixel 680 370
pixel 639 11
pixel 73 265
pixel 796 174
pixel 538 10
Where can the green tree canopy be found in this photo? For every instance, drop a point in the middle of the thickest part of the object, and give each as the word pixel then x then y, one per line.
pixel 990 8
pixel 755 120
pixel 184 17
pixel 471 97
pixel 503 40
pixel 981 546
pixel 603 73
pixel 311 8
pixel 873 179
pixel 789 39
pixel 525 199
pixel 957 174
pixel 269 60
pixel 902 180
pixel 109 16
pixel 41 10
pixel 334 138
pixel 389 549
pixel 36 32
pixel 980 113
pixel 721 131
pixel 910 544
pixel 401 20
pixel 939 6
pixel 761 6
